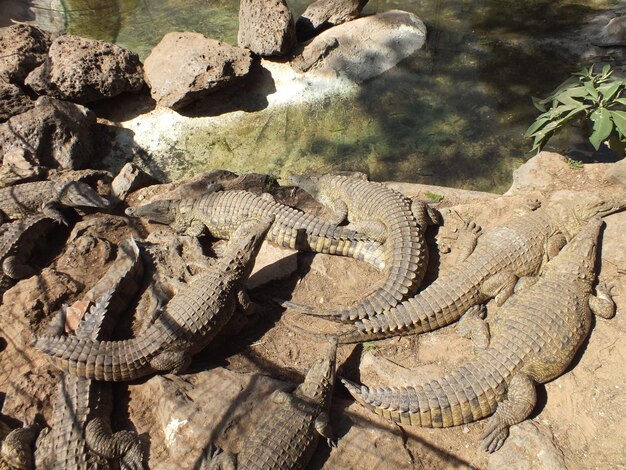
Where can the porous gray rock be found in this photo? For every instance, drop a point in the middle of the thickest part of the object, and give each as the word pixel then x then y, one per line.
pixel 22 48
pixel 85 70
pixel 266 27
pixel 186 67
pixel 12 100
pixel 58 133
pixel 363 48
pixel 323 14
pixel 19 166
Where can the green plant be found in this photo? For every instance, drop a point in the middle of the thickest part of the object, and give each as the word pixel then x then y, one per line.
pixel 369 347
pixel 574 164
pixel 433 196
pixel 594 98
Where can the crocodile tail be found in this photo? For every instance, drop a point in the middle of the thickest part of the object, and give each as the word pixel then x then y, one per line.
pixel 111 361
pixel 468 394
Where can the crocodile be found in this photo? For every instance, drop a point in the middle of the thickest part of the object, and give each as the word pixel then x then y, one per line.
pixel 16 451
pixel 503 259
pixel 191 319
pixel 79 436
pixel 21 200
pixel 286 439
pixel 17 240
pixel 221 211
pixel 386 216
pixel 534 338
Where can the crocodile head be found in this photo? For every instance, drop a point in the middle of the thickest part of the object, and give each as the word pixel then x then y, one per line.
pixel 320 379
pixel 162 212
pixel 244 245
pixel 79 194
pixel 578 257
pixel 574 209
pixel 309 183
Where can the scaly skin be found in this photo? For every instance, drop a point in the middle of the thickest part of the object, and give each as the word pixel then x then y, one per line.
pixel 192 318
pixel 386 216
pixel 222 211
pixel 21 200
pixel 501 257
pixel 79 436
pixel 534 337
pixel 16 451
pixel 287 438
pixel 16 244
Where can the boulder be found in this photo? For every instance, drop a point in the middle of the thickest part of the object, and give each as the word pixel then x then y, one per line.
pixel 12 100
pixel 85 70
pixel 266 27
pixel 186 67
pixel 130 178
pixel 22 48
pixel 19 166
pixel 613 34
pixel 58 133
pixel 323 14
pixel 365 47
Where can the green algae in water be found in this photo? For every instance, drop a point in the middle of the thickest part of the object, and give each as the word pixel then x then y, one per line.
pixel 453 114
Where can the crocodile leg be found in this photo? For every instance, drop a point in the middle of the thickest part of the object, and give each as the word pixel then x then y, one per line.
pixel 374 229
pixel 324 428
pixel 472 325
pixel 499 286
pixel 195 229
pixel 16 449
pixel 520 401
pixel 467 241
pixel 247 306
pixel 15 269
pixel 215 459
pixel 339 211
pixel 174 362
pixel 554 245
pixel 53 213
pixel 602 304
pixel 123 445
pixel 525 282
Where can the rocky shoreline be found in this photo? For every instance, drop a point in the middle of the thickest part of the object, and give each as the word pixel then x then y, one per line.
pixel 50 133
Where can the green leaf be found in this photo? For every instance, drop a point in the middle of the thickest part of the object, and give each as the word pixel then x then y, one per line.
pixel 567 96
pixel 619 119
pixel 602 127
pixel 591 89
pixel 609 90
pixel 537 103
pixel 621 101
pixel 606 70
pixel 539 122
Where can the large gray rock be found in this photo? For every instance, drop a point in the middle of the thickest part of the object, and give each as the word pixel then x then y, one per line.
pixel 323 14
pixel 12 100
pixel 85 70
pixel 186 67
pixel 22 48
pixel 365 47
pixel 57 133
pixel 266 27
pixel 614 33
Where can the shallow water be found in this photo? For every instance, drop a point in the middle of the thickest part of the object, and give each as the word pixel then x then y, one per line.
pixel 453 114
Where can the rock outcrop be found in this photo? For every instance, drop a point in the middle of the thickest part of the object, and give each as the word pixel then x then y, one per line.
pixel 323 14
pixel 22 48
pixel 266 27
pixel 186 67
pixel 365 47
pixel 57 133
pixel 614 33
pixel 86 70
pixel 12 100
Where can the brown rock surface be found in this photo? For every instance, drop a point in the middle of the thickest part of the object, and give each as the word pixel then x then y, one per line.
pixel 186 67
pixel 323 14
pixel 57 133
pixel 22 48
pixel 12 101
pixel 266 27
pixel 85 70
